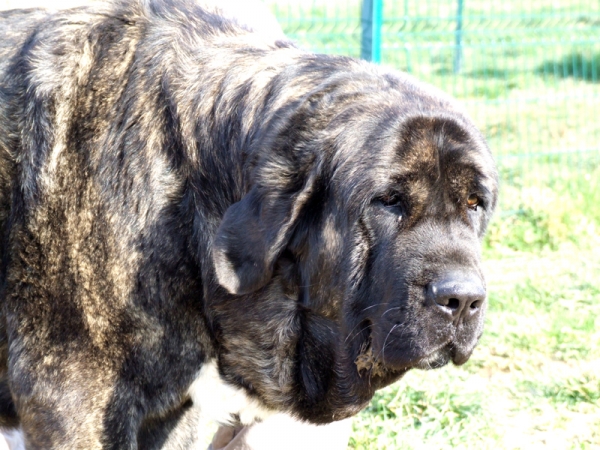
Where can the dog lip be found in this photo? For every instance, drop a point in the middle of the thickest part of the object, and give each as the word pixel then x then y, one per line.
pixel 461 356
pixel 400 360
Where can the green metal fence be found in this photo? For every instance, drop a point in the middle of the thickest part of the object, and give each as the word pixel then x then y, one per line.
pixel 528 71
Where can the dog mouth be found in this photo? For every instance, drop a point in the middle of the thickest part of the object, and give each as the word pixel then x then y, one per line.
pixel 450 352
pixel 374 362
pixel 446 354
pixel 368 361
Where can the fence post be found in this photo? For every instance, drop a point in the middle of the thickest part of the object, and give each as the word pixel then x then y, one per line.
pixel 371 21
pixel 459 35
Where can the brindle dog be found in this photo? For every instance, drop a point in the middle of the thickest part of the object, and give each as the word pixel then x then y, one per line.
pixel 194 215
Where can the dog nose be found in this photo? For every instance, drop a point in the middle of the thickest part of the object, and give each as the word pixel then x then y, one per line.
pixel 458 296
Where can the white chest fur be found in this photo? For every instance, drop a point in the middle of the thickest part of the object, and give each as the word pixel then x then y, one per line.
pixel 12 439
pixel 219 401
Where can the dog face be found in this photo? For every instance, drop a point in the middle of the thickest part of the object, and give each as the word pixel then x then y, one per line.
pixel 419 294
pixel 364 219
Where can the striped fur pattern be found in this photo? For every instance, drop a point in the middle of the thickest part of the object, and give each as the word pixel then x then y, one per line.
pixel 176 189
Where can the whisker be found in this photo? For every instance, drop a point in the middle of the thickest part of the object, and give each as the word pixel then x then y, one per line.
pixel 372 306
pixel 350 332
pixel 385 341
pixel 359 332
pixel 391 309
pixel 363 310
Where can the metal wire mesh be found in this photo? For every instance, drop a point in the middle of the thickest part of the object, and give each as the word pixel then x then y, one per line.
pixel 528 72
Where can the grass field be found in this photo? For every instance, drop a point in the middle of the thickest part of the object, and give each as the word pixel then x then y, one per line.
pixel 530 78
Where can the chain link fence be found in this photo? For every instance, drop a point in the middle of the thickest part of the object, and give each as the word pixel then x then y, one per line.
pixel 528 72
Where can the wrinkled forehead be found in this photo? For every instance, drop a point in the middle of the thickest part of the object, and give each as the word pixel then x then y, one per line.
pixel 377 152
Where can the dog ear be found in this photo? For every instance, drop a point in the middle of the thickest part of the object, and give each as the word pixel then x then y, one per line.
pixel 255 231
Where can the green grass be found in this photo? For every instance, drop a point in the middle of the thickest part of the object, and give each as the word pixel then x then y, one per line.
pixel 548 206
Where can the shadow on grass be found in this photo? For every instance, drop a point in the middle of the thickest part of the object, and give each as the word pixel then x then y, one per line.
pixel 574 65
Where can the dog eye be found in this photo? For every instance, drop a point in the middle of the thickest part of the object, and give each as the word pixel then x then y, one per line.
pixel 394 203
pixel 473 201
pixel 390 200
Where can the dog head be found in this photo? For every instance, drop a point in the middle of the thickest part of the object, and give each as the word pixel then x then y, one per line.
pixel 357 245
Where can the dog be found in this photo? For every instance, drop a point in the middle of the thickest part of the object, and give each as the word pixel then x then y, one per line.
pixel 198 217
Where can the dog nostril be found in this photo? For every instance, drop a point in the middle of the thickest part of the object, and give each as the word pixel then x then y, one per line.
pixel 453 303
pixel 475 304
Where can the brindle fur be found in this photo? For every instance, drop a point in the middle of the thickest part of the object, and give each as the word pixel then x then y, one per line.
pixel 176 189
